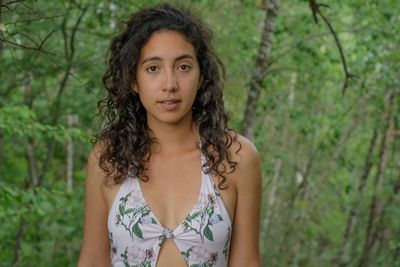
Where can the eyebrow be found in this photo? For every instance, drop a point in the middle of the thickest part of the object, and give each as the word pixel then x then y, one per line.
pixel 157 58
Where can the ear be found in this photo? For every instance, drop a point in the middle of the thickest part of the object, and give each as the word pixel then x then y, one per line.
pixel 134 87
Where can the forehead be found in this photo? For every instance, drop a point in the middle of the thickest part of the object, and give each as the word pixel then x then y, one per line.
pixel 167 44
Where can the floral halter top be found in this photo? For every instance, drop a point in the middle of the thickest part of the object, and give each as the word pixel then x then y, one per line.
pixel 136 235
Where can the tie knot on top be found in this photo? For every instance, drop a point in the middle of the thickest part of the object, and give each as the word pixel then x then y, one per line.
pixel 167 233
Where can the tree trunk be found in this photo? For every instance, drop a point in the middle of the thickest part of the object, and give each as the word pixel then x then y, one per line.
pixel 343 256
pixel 69 50
pixel 375 206
pixel 1 130
pixel 261 66
pixel 1 152
pixel 70 156
pixel 271 202
pixel 18 242
pixel 292 92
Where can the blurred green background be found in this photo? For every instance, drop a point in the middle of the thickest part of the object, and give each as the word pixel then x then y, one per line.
pixel 331 168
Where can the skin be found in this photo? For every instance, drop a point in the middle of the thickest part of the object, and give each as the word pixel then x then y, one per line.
pixel 168 78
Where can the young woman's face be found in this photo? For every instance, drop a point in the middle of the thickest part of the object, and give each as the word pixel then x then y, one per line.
pixel 167 78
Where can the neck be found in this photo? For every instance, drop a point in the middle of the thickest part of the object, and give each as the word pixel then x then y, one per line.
pixel 174 138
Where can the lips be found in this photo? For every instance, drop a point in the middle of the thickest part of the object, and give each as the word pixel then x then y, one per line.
pixel 169 101
pixel 169 104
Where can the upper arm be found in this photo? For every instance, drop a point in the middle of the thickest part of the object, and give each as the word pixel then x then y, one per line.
pixel 245 237
pixel 95 250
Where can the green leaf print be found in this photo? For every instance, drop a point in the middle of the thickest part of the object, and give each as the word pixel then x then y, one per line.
pixel 125 198
pixel 121 209
pixel 185 254
pixel 195 215
pixel 128 210
pixel 208 234
pixel 136 230
pixel 153 221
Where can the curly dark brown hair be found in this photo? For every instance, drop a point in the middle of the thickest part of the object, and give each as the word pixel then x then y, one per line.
pixel 125 134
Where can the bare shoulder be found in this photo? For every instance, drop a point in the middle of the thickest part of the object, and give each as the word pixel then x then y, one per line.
pixel 247 179
pixel 93 164
pixel 95 246
pixel 245 153
pixel 94 157
pixel 95 175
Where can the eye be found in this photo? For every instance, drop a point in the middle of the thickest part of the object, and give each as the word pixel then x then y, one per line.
pixel 184 67
pixel 152 69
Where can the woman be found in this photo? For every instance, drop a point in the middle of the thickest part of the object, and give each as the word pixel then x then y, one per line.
pixel 168 184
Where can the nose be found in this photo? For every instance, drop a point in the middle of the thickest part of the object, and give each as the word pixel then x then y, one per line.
pixel 170 81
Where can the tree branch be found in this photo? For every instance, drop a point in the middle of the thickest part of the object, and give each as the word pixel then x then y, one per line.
pixel 27 47
pixel 370 236
pixel 69 55
pixel 315 8
pixel 261 66
pixel 35 19
pixel 343 254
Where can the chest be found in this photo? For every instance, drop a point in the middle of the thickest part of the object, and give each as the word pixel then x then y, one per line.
pixel 173 188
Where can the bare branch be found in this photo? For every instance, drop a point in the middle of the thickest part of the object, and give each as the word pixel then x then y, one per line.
pixel 34 19
pixel 74 30
pixel 45 39
pixel 315 8
pixel 27 47
pixel 13 2
pixel 69 55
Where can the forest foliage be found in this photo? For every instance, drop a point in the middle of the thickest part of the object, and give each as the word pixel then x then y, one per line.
pixel 329 145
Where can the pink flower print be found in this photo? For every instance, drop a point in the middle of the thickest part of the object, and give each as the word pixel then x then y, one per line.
pixel 199 255
pixel 134 199
pixel 212 200
pixel 203 201
pixel 136 255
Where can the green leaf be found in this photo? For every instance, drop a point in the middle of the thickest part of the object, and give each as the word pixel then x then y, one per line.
pixel 2 27
pixel 121 210
pixel 136 230
pixel 128 210
pixel 194 215
pixel 208 234
pixel 10 191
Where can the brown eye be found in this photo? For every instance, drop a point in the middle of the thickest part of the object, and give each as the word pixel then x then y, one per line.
pixel 184 67
pixel 152 69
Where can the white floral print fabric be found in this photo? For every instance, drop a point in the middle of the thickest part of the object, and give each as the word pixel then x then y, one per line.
pixel 136 235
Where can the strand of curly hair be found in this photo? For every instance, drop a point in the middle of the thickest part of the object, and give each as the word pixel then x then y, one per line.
pixel 125 138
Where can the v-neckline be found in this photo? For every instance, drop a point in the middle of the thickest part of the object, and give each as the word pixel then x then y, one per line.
pixel 187 214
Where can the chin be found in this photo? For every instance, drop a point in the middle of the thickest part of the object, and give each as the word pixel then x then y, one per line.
pixel 173 119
